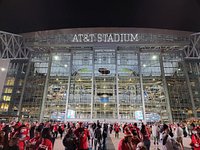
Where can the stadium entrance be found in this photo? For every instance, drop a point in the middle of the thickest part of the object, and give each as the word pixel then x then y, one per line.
pixel 105 74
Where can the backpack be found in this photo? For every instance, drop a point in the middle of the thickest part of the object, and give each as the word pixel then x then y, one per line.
pixel 69 142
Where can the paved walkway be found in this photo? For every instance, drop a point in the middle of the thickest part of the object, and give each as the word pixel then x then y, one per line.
pixel 112 143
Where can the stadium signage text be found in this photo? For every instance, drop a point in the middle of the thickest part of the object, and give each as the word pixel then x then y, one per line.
pixel 105 37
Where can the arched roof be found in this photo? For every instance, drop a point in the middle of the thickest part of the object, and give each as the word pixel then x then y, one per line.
pixel 19 16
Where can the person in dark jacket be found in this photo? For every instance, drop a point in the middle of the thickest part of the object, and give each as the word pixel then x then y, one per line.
pixel 70 140
pixel 97 137
pixel 104 135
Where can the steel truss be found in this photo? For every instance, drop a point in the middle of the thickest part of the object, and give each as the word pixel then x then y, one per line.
pixel 192 51
pixel 12 46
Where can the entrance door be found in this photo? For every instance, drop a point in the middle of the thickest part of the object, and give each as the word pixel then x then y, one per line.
pixel 105 84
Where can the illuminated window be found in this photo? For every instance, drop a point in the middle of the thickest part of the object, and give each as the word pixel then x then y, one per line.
pixel 4 106
pixel 6 98
pixel 10 81
pixel 8 90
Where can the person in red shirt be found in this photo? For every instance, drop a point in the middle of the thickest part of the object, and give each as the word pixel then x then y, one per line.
pixel 116 129
pixel 46 143
pixel 55 130
pixel 136 129
pixel 83 137
pixel 128 142
pixel 23 137
pixel 34 142
pixel 195 140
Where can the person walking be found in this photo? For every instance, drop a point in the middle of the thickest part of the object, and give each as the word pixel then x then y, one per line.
pixel 97 137
pixel 104 135
pixel 127 142
pixel 145 136
pixel 70 141
pixel 179 134
pixel 46 143
pixel 83 136
pixel 155 133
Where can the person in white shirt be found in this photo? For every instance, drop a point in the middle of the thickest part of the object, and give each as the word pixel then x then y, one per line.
pixel 155 133
pixel 179 134
pixel 91 130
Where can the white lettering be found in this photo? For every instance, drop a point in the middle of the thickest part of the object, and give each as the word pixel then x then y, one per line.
pixel 75 39
pixel 92 37
pixel 110 38
pixel 134 38
pixel 105 37
pixel 116 37
pixel 99 38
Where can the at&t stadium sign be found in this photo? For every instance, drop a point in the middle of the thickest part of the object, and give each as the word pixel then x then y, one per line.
pixel 105 37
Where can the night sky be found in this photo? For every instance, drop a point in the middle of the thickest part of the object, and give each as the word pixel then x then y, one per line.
pixel 18 16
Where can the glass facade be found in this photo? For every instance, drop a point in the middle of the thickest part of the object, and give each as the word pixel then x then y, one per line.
pixel 105 84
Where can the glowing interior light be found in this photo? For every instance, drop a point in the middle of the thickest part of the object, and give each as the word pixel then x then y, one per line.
pixel 65 65
pixel 154 57
pixel 56 57
pixel 3 69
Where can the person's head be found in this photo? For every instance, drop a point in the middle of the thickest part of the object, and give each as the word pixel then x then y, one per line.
pixel 178 124
pixel 135 124
pixel 23 131
pixel 69 131
pixel 2 133
pixel 128 135
pixel 46 133
pixel 80 125
pixel 143 129
pixel 37 132
pixel 165 128
pixel 192 125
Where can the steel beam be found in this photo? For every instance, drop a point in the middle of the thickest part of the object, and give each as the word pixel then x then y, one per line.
pixel 45 88
pixel 68 86
pixel 165 88
pixel 141 87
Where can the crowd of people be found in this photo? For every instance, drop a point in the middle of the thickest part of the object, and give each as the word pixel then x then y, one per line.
pixel 88 136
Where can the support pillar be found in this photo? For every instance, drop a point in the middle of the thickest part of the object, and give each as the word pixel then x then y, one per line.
pixel 23 89
pixel 190 89
pixel 92 90
pixel 68 86
pixel 117 86
pixel 141 87
pixel 165 88
pixel 45 88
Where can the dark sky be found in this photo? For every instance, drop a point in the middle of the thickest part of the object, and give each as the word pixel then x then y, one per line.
pixel 20 16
